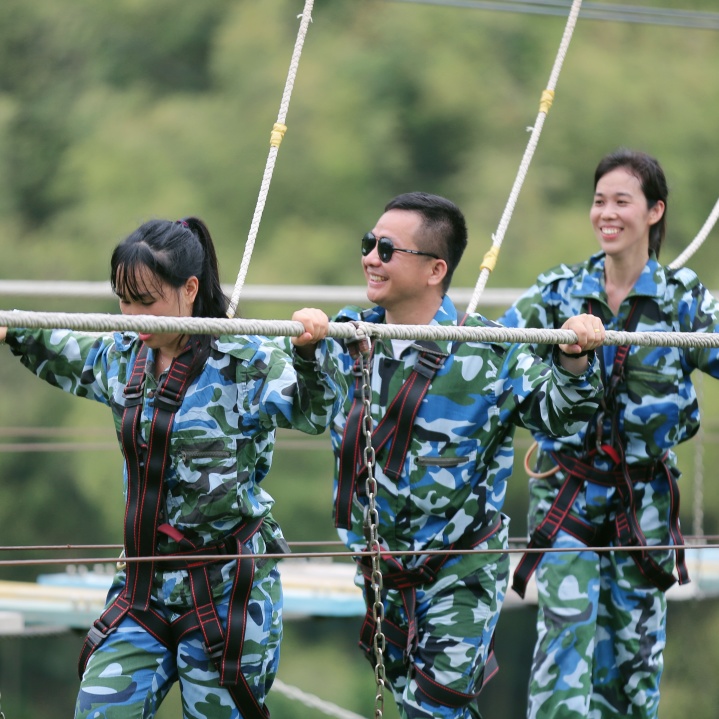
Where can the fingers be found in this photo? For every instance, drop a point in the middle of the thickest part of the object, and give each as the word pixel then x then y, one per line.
pixel 589 330
pixel 315 323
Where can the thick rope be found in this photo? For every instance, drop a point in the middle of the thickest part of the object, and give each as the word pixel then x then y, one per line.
pixel 698 476
pixel 490 259
pixel 278 132
pixel 698 241
pixel 339 330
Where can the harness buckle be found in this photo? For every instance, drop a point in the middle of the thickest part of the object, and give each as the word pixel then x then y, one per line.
pixel 427 364
pixel 540 539
pixel 215 652
pixel 97 635
pixel 133 397
pixel 422 574
pixel 166 403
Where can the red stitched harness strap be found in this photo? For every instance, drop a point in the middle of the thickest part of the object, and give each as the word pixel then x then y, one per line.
pixel 145 468
pixel 396 425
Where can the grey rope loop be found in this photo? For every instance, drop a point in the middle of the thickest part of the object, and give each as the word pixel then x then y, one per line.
pixel 340 330
pixel 698 241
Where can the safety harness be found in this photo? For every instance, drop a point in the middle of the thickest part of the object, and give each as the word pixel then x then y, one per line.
pixel 625 530
pixel 396 425
pixel 146 464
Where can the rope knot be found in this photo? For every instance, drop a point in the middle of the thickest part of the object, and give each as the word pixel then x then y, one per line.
pixel 361 344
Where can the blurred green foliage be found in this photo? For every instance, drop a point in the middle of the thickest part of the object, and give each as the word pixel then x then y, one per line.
pixel 111 113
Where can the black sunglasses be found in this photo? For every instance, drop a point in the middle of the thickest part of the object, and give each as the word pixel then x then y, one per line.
pixel 385 248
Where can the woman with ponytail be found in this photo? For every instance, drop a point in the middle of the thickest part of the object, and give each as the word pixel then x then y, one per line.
pixel 196 417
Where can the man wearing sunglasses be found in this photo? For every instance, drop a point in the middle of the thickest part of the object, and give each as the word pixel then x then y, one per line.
pixel 443 419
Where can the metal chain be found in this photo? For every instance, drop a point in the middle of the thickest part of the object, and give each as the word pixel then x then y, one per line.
pixel 371 532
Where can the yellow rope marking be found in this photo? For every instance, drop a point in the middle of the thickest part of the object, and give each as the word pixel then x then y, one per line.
pixel 546 101
pixel 490 258
pixel 278 132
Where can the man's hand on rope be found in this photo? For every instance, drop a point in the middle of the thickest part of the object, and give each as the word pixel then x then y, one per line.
pixel 315 323
pixel 590 335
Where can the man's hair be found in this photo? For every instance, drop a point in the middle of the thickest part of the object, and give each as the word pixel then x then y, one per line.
pixel 444 230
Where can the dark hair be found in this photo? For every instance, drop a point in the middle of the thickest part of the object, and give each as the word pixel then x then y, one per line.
pixel 443 224
pixel 172 252
pixel 654 185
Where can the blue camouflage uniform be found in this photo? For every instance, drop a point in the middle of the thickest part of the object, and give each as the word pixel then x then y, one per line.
pixel 450 491
pixel 221 449
pixel 601 622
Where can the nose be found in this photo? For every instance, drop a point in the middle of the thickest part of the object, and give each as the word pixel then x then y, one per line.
pixel 609 210
pixel 372 258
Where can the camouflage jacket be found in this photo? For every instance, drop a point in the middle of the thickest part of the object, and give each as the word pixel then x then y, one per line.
pixel 460 455
pixel 657 403
pixel 223 434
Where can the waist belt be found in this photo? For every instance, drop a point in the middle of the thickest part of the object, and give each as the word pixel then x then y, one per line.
pixel 406 582
pixel 625 529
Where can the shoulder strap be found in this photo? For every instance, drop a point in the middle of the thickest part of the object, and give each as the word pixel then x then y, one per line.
pixel 396 424
pixel 147 462
pixel 611 381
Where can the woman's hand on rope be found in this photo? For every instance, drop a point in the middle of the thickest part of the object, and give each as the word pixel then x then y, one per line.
pixel 590 335
pixel 316 324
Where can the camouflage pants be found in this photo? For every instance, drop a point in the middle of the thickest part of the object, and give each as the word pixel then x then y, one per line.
pixel 130 673
pixel 456 617
pixel 601 625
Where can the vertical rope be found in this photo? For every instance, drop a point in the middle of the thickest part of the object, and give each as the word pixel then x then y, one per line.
pixel 698 499
pixel 278 132
pixel 490 258
pixel 698 241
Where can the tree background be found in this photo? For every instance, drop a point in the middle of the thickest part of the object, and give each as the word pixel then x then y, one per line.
pixel 112 113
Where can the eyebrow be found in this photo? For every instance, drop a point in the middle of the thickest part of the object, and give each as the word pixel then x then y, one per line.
pixel 617 194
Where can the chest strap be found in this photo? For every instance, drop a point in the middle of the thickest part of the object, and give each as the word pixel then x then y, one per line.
pixel 146 464
pixel 608 403
pixel 624 530
pixel 397 576
pixel 396 425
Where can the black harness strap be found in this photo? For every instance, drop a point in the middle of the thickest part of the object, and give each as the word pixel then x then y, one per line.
pixel 434 692
pixel 406 582
pixel 350 454
pixel 626 529
pixel 146 466
pixel 396 425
